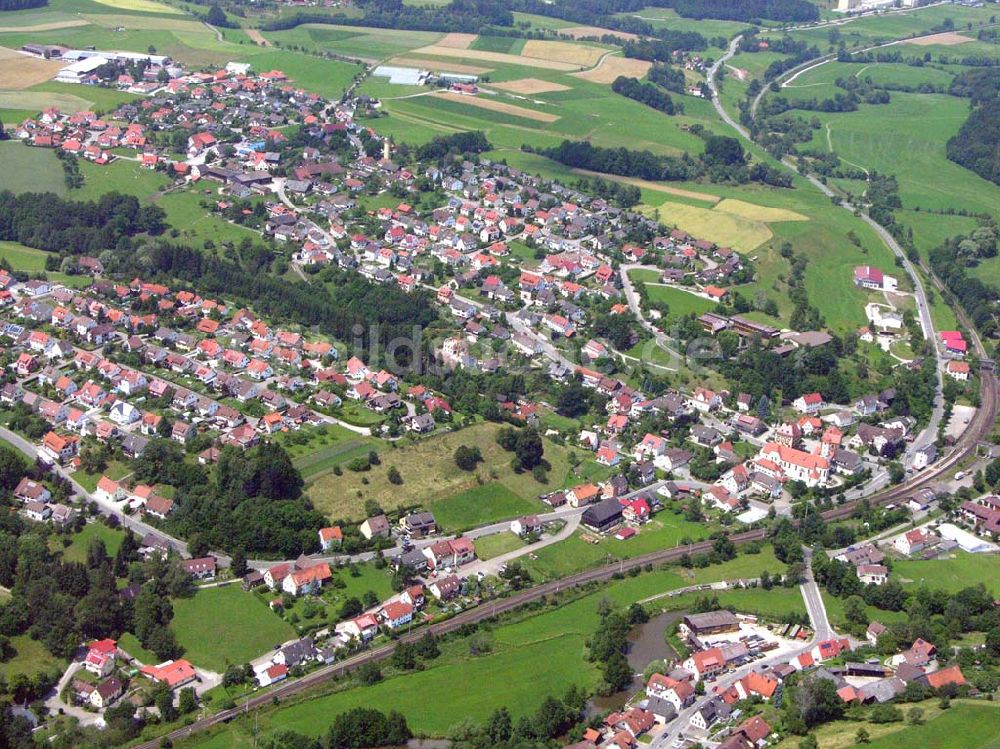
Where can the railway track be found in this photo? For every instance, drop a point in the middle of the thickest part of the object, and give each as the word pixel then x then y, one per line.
pixel 966 446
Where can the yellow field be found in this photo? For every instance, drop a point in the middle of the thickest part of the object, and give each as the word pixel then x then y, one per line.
pixel 647 185
pixel 499 57
pixel 438 67
pixel 530 86
pixel 614 66
pixel 457 41
pixel 723 228
pixel 22 71
pixel 51 26
pixel 756 212
pixel 579 32
pixel 142 6
pixel 580 54
pixel 498 106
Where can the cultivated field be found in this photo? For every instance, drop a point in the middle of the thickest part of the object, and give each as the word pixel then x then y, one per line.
pixel 613 66
pixel 756 212
pixel 19 71
pixel 655 186
pixel 530 86
pixel 457 41
pixel 50 26
pixel 948 39
pixel 578 54
pixel 581 32
pixel 140 6
pixel 722 227
pixel 438 50
pixel 498 106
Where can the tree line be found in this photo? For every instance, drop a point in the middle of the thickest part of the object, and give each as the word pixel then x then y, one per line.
pixel 47 222
pixel 646 93
pixel 457 16
pixel 22 4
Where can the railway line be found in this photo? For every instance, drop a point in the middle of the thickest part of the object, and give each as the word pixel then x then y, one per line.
pixel 978 428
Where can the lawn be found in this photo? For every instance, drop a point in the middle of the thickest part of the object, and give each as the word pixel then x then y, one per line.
pixel 196 224
pixel 130 644
pixel 122 176
pixel 77 551
pixel 30 260
pixel 31 657
pixel 504 542
pixel 483 504
pixel 430 475
pixel 115 470
pixel 665 530
pixel 680 302
pixel 952 573
pixel 219 626
pixel 28 169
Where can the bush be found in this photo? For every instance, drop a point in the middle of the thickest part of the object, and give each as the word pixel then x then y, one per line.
pixel 467 457
pixel 394 476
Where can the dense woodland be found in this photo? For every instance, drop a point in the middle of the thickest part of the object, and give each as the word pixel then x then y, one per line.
pixel 476 15
pixel 976 145
pixel 21 4
pixel 47 222
pixel 722 161
pixel 646 93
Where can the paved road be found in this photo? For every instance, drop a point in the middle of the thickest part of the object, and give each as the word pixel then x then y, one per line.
pixel 929 434
pixel 106 508
pixel 821 631
pixel 632 297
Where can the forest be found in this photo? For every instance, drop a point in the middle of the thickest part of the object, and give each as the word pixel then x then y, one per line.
pixel 976 145
pixel 22 4
pixel 47 222
pixel 457 16
pixel 646 93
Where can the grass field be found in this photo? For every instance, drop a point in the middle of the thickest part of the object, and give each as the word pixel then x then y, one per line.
pixel 28 169
pixel 77 551
pixel 681 303
pixel 123 176
pixel 30 260
pixel 219 626
pixel 966 725
pixel 430 476
pixel 130 644
pixel 30 657
pixel 958 570
pixel 488 547
pixel 730 223
pixel 484 504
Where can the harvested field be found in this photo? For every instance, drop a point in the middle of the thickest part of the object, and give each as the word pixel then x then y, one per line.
pixel 946 39
pixel 647 185
pixel 580 32
pixel 756 212
pixel 530 86
pixel 457 41
pixel 439 67
pixel 499 57
pixel 257 38
pixel 613 66
pixel 21 71
pixel 499 106
pixel 51 26
pixel 580 54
